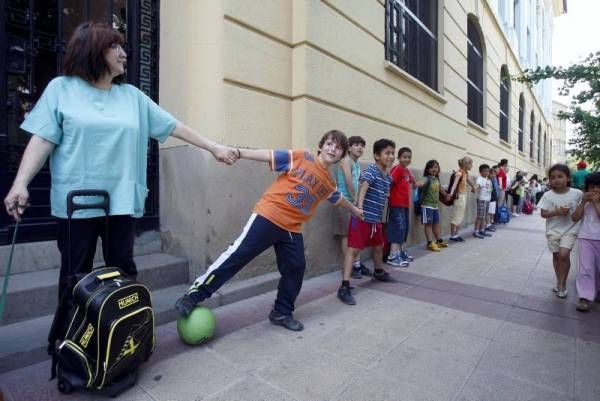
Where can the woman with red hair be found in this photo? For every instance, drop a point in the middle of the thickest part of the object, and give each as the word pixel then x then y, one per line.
pixel 95 129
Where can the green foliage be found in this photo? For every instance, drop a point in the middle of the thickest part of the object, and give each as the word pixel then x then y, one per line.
pixel 584 111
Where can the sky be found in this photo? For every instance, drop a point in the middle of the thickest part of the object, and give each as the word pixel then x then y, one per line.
pixel 576 34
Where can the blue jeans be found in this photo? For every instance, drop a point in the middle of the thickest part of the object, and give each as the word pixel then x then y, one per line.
pixel 397 226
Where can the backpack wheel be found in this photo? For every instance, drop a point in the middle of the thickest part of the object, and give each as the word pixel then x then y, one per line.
pixel 64 387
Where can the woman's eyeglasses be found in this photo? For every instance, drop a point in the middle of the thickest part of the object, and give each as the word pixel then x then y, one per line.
pixel 117 47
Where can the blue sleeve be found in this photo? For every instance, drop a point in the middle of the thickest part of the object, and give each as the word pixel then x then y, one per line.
pixel 45 120
pixel 160 122
pixel 335 197
pixel 367 175
pixel 281 160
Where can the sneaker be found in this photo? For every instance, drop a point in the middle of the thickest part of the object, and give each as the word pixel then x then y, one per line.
pixel 432 246
pixel 583 305
pixel 515 215
pixel 397 261
pixel 384 276
pixel 185 305
pixel 490 228
pixel 345 295
pixel 555 289
pixel 356 272
pixel 477 234
pixel 286 321
pixel 442 244
pixel 404 255
pixel 562 294
pixel 365 271
pixel 458 238
pixel 485 234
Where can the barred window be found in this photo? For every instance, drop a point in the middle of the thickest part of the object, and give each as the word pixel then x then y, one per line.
pixel 545 155
pixel 531 134
pixel 411 38
pixel 474 74
pixel 521 121
pixel 539 143
pixel 504 99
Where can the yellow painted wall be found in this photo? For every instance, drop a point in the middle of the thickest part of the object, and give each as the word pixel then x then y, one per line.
pixel 280 73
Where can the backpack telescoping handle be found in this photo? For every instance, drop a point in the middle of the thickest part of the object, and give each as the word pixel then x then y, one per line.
pixel 73 206
pixel 58 323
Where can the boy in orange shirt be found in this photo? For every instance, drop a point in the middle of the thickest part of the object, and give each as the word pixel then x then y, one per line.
pixel 277 221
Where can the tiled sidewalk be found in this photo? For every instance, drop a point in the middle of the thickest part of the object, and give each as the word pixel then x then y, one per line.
pixel 477 321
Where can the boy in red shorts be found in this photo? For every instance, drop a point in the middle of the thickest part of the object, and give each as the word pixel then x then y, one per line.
pixel 375 185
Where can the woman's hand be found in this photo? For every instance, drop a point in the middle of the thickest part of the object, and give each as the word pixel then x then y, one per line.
pixel 16 201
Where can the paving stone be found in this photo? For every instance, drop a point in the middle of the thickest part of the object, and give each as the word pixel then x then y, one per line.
pixel 551 371
pixel 256 346
pixel 537 340
pixel 250 388
pixel 460 345
pixel 470 323
pixel 439 374
pixel 190 376
pixel 309 374
pixel 493 386
pixel 375 387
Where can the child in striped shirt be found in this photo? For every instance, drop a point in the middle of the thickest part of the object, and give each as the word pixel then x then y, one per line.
pixel 374 190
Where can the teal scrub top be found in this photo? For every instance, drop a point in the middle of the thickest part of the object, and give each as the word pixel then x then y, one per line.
pixel 101 139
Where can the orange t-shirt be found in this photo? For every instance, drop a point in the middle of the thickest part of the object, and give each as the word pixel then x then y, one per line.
pixel 293 197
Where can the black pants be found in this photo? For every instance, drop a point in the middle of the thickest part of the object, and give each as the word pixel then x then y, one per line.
pixel 117 251
pixel 258 235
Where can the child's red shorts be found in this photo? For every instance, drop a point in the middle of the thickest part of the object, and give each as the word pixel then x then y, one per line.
pixel 364 235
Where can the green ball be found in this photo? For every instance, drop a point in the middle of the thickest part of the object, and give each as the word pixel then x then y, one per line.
pixel 198 327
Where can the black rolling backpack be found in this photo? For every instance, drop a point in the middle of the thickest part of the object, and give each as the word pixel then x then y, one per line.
pixel 99 339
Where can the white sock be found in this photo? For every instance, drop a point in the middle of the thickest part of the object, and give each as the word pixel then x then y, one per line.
pixel 356 264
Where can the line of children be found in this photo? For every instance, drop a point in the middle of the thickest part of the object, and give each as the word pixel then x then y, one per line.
pixel 375 183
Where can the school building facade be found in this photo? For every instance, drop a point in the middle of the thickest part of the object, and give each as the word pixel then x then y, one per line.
pixel 278 74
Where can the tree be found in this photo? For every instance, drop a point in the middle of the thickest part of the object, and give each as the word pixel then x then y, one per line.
pixel 584 111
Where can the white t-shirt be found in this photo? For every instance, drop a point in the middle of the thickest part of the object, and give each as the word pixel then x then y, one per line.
pixel 484 188
pixel 561 225
pixel 590 223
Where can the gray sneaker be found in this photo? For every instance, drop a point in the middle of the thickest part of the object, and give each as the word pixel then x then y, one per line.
pixel 397 261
